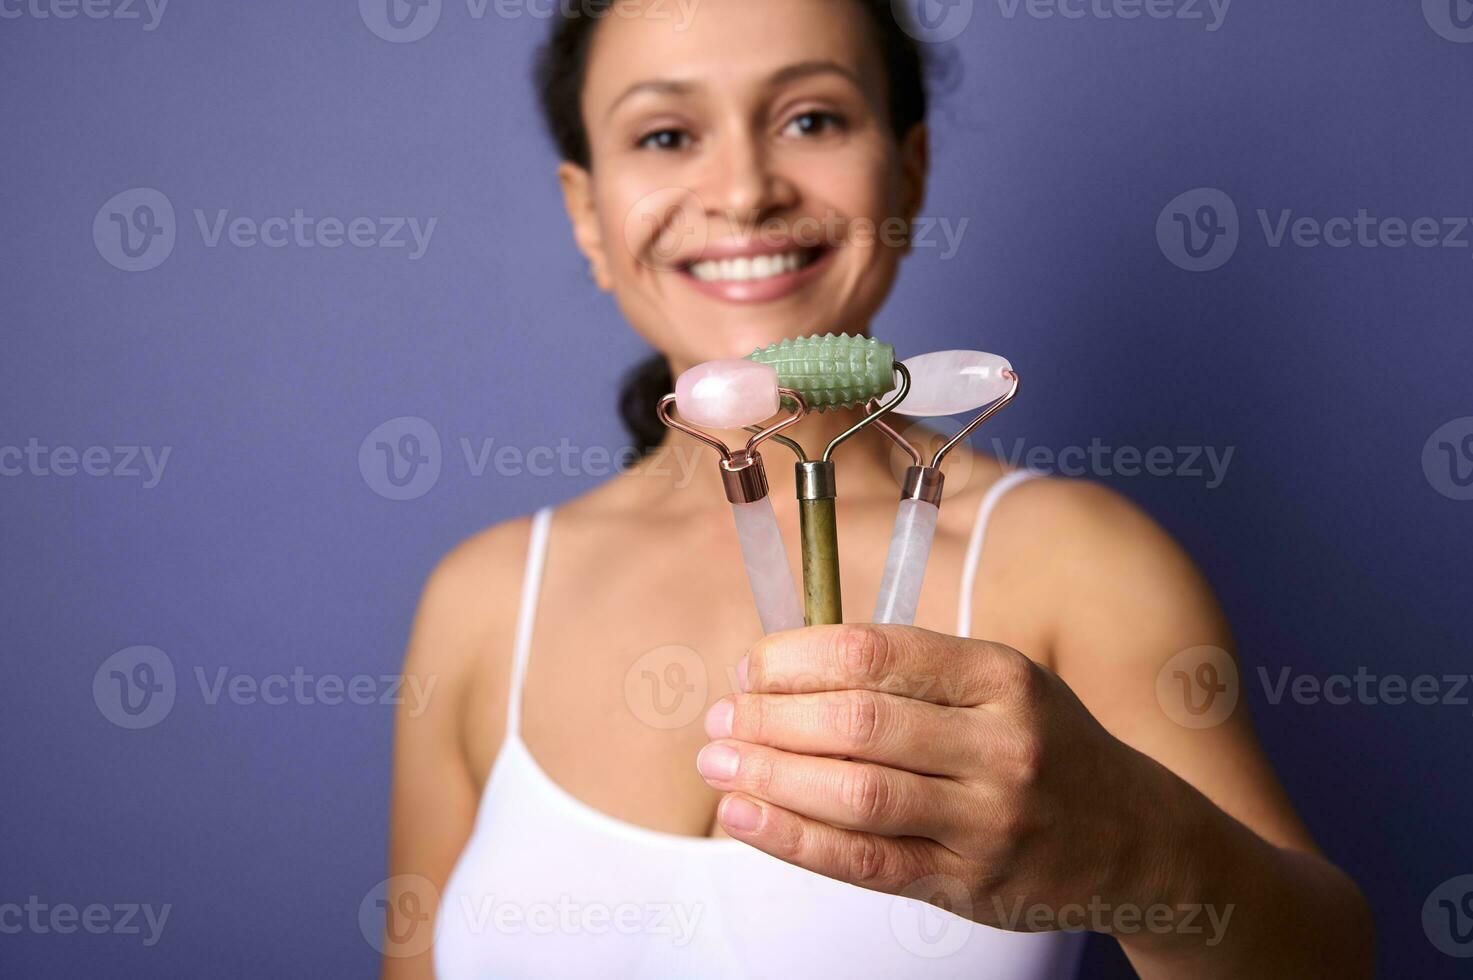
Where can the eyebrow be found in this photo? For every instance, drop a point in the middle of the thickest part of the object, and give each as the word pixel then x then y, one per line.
pixel 783 76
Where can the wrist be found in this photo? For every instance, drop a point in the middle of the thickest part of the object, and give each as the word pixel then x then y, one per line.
pixel 1169 862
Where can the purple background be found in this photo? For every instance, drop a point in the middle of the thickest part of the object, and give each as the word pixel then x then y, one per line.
pixel 265 549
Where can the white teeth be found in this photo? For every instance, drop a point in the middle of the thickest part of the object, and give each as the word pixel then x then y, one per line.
pixel 749 269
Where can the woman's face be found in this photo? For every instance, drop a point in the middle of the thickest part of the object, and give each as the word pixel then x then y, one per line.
pixel 746 185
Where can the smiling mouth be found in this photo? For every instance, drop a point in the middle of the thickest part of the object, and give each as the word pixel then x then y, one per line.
pixel 757 268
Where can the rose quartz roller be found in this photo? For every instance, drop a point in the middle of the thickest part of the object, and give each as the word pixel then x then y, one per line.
pixel 944 383
pixel 731 394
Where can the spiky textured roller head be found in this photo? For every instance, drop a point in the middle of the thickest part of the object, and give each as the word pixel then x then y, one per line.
pixel 832 371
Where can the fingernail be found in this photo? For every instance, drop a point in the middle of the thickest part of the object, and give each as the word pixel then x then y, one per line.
pixel 740 814
pixel 742 674
pixel 718 719
pixel 718 762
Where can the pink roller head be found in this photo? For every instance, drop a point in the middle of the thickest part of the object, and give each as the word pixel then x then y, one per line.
pixel 727 394
pixel 950 382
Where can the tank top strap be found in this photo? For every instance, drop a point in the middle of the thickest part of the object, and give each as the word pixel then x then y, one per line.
pixel 990 500
pixel 527 618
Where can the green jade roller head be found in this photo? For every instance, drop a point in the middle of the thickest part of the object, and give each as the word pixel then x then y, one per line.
pixel 830 371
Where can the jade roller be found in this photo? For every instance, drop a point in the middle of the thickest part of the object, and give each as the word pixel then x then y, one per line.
pixel 943 383
pixel 732 394
pixel 831 371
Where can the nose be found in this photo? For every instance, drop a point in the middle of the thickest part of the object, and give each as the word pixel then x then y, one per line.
pixel 743 186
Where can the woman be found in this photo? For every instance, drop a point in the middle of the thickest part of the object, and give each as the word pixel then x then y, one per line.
pixel 563 808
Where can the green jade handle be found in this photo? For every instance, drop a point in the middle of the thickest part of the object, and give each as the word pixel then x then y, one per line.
pixel 822 604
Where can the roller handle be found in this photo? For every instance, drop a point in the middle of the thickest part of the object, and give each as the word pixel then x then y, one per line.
pixel 905 565
pixel 821 592
pixel 768 571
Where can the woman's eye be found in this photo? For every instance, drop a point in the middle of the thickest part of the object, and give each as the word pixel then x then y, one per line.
pixel 665 139
pixel 814 124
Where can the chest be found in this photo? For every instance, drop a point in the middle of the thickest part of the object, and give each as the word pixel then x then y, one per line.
pixel 636 635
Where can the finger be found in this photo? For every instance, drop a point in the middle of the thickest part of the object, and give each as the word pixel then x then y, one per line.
pixel 899 660
pixel 883 728
pixel 854 795
pixel 885 864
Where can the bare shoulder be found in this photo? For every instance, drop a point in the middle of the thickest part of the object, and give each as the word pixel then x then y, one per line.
pixel 1109 582
pixel 474 586
pixel 464 630
pixel 465 624
pixel 1089 528
pixel 1104 545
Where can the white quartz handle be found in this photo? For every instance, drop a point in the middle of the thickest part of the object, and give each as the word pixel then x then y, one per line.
pixel 768 571
pixel 905 565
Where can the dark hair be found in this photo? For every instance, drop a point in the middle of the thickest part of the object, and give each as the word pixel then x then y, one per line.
pixel 561 68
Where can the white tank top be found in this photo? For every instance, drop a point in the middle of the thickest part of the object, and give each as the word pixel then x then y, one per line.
pixel 548 886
